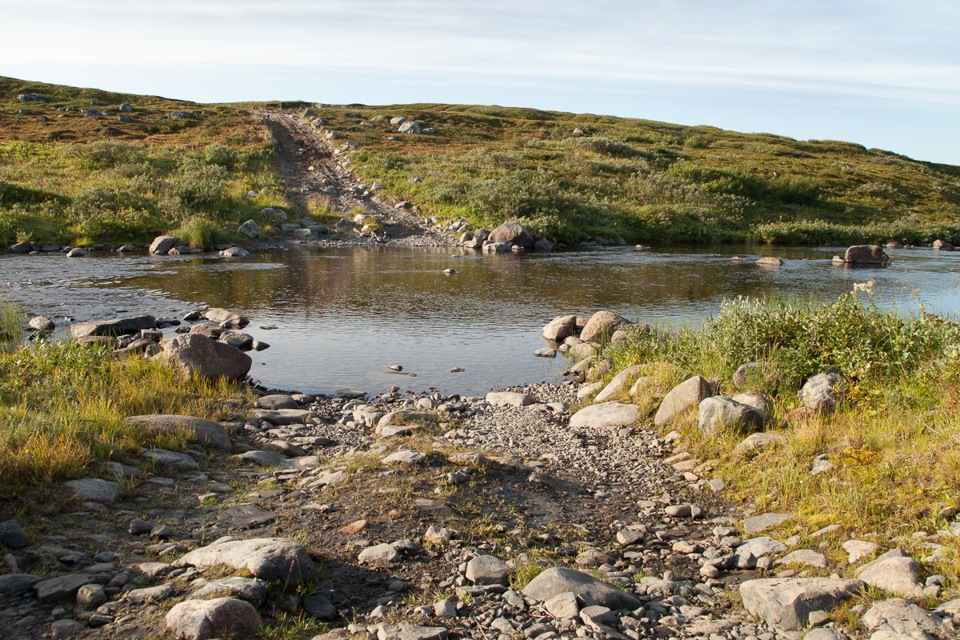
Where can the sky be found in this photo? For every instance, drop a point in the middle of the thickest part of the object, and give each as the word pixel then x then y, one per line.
pixel 881 73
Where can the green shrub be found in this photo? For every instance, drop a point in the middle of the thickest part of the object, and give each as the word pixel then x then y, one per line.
pixel 200 233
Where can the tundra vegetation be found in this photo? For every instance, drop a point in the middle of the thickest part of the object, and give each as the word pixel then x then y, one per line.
pixel 892 444
pixel 72 178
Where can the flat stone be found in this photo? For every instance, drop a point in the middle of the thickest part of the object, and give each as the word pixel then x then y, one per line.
pixel 269 559
pixel 205 619
pixel 226 317
pixel 557 580
pixel 760 547
pixel 900 617
pixel 857 550
pixel 171 459
pixel 66 629
pixel 759 441
pixel 405 419
pixel 786 603
pixel 196 429
pixel 12 535
pixel 13 584
pixel 488 569
pixel 608 415
pixel 245 516
pixel 61 588
pixel 406 458
pixel 806 557
pixel 282 417
pixel 380 554
pixel 895 572
pixel 266 459
pixel 509 399
pixel 116 327
pixel 563 606
pixel 756 524
pixel 276 402
pixel 408 631
pixel 253 590
pixel 149 594
pixel 94 489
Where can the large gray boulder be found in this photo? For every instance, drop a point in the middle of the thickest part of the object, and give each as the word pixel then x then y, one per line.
pixel 196 429
pixel 270 559
pixel 601 326
pixel 607 415
pixel 205 619
pixel 199 355
pixel 557 580
pixel 115 327
pixel 682 398
pixel 866 254
pixel 819 392
pixel 725 415
pixel 162 244
pixel 786 603
pixel 560 328
pixel 511 233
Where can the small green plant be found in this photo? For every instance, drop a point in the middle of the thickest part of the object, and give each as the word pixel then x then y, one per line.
pixel 200 233
pixel 11 322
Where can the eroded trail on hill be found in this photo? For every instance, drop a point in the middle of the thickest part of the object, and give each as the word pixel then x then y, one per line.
pixel 315 178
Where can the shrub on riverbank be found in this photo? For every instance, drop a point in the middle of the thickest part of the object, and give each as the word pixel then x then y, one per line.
pixel 11 322
pixel 62 406
pixel 893 443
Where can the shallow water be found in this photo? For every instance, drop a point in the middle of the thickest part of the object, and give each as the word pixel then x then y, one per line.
pixel 343 315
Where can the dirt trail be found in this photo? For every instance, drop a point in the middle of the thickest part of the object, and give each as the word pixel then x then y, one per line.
pixel 309 167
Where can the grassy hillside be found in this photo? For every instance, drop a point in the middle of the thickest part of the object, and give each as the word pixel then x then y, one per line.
pixel 570 177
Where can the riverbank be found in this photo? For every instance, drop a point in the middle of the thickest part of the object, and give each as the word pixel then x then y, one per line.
pixel 438 511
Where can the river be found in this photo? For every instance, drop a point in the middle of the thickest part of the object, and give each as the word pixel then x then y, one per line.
pixel 343 315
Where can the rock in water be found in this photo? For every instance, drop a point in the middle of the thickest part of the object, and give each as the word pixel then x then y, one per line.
pixel 866 254
pixel 601 325
pixel 162 244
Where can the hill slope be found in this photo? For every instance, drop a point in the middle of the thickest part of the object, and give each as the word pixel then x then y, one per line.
pixel 92 178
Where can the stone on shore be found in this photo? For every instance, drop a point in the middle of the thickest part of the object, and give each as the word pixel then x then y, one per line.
pixel 618 384
pixel 900 619
pixel 269 559
pixel 511 233
pixel 205 619
pixel 607 415
pixel 161 245
pixel 508 399
pixel 819 392
pixel 12 535
pixel 764 521
pixel 488 570
pixel 601 326
pixel 682 398
pixel 786 603
pixel 62 587
pixel 722 415
pixel 199 355
pixel 893 571
pixel 94 489
pixel 197 429
pixel 253 590
pixel 552 582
